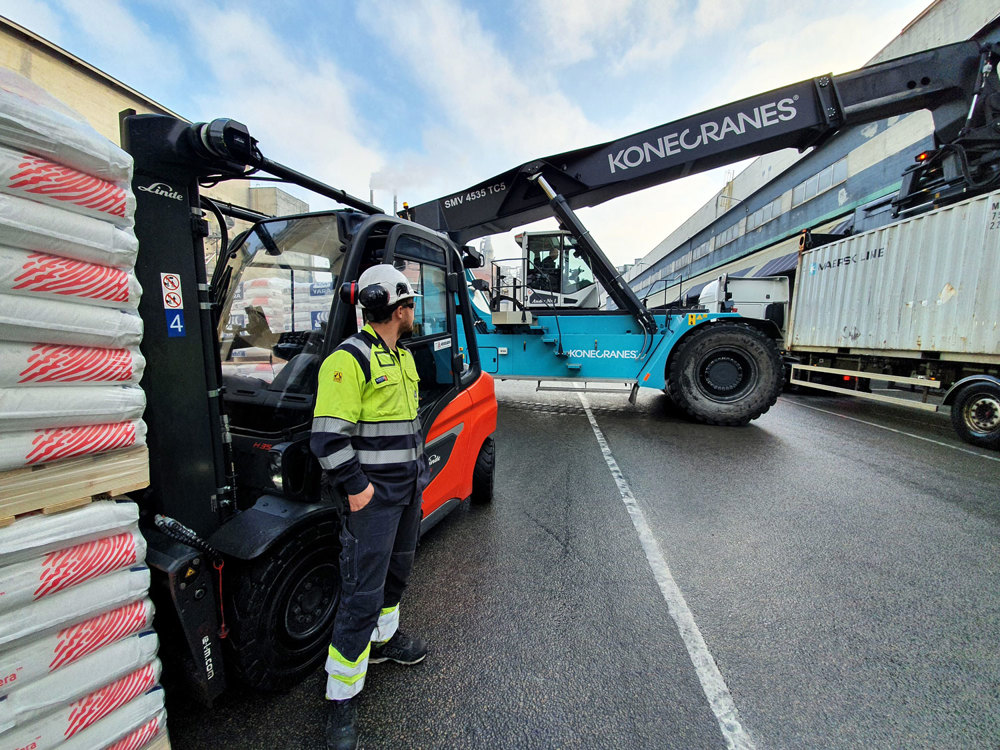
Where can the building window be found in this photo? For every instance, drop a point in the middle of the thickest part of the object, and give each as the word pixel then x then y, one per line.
pixel 819 183
pixel 763 215
pixel 729 235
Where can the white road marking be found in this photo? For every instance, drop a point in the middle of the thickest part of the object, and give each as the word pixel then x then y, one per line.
pixel 711 679
pixel 898 432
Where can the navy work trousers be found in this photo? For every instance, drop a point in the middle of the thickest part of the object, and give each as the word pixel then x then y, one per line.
pixel 378 543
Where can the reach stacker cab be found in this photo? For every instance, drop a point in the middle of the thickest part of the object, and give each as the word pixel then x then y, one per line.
pixel 243 530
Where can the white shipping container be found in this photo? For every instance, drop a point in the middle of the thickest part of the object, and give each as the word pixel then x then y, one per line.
pixel 923 284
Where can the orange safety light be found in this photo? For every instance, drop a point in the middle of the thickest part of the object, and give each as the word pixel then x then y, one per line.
pixel 924 156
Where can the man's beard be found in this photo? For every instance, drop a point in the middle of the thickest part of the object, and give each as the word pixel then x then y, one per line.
pixel 405 329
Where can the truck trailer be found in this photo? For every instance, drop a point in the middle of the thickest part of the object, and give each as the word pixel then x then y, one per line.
pixel 911 306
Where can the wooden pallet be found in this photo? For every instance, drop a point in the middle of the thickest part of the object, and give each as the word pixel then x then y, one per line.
pixel 72 482
pixel 160 742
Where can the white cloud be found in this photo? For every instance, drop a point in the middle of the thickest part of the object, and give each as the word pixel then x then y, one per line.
pixel 488 116
pixel 298 107
pixel 36 16
pixel 711 16
pixel 625 34
pixel 148 56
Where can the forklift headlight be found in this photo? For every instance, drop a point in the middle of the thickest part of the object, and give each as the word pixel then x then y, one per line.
pixel 274 469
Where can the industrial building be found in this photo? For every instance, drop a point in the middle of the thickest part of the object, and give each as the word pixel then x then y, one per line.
pixel 752 226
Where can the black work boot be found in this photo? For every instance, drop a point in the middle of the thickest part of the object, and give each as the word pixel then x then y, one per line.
pixel 340 719
pixel 401 648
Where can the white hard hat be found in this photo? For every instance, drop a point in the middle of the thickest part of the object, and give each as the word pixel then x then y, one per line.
pixel 383 286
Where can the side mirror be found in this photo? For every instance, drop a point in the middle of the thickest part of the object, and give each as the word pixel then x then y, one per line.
pixel 471 258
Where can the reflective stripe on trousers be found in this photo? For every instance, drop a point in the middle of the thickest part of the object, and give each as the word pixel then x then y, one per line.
pixel 346 678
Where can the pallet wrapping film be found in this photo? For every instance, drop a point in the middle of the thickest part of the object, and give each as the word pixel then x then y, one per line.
pixel 77 656
pixel 41 656
pixel 40 179
pixel 34 121
pixel 76 680
pixel 45 446
pixel 42 321
pixel 36 274
pixel 131 727
pixel 32 536
pixel 74 604
pixel 26 582
pixel 35 365
pixel 69 406
pixel 66 721
pixel 35 226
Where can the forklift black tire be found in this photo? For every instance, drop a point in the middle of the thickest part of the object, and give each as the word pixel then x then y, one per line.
pixel 283 606
pixel 484 472
pixel 725 373
pixel 975 415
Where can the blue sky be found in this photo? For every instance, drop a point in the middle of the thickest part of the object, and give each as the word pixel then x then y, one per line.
pixel 426 97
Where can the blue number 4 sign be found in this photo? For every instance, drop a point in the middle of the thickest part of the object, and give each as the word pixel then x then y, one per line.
pixel 175 323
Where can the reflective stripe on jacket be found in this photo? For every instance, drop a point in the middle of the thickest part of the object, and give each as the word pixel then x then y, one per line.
pixel 365 425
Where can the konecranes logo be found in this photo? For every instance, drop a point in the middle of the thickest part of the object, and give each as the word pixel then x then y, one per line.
pixel 161 188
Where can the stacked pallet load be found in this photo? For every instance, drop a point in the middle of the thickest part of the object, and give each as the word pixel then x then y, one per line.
pixel 78 662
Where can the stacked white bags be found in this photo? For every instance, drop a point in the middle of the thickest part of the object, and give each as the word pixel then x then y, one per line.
pixel 78 665
pixel 286 307
pixel 69 327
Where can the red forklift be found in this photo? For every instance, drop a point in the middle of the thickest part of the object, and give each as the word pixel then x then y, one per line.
pixel 242 528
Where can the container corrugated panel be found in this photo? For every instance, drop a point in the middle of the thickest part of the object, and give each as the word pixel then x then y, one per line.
pixel 930 283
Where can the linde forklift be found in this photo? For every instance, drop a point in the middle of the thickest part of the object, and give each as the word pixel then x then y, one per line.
pixel 717 366
pixel 243 530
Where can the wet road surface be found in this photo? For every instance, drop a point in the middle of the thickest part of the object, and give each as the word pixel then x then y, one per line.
pixel 839 561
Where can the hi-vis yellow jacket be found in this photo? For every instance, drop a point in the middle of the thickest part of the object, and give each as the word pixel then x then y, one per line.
pixel 365 424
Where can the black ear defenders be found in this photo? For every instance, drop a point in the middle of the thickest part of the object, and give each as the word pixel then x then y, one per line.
pixel 372 297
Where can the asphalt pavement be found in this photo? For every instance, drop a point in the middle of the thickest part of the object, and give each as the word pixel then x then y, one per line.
pixel 839 561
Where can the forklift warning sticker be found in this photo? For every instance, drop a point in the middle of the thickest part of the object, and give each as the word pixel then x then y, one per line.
pixel 173 304
pixel 695 318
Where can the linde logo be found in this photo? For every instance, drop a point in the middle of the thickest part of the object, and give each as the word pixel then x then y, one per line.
pixel 161 188
pixel 764 116
pixel 604 354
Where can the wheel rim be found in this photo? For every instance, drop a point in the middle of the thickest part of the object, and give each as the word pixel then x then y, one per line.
pixel 727 375
pixel 311 603
pixel 982 413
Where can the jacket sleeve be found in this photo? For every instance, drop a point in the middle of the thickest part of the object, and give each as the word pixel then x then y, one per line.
pixel 335 420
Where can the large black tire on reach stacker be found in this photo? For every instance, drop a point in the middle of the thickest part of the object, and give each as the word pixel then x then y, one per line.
pixel 725 373
pixel 282 609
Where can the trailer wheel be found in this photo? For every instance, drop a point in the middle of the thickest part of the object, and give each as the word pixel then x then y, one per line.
pixel 483 473
pixel 975 414
pixel 725 373
pixel 283 608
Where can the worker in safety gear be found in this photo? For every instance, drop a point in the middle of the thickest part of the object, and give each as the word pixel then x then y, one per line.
pixel 366 434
